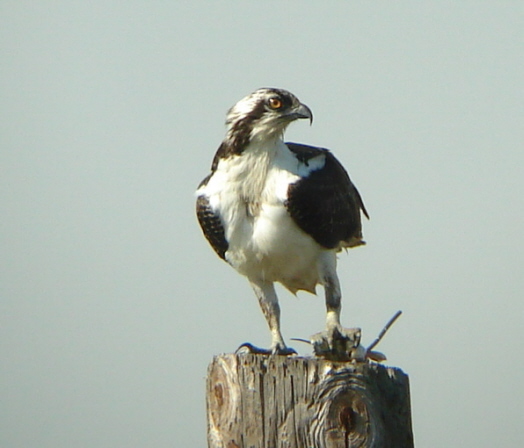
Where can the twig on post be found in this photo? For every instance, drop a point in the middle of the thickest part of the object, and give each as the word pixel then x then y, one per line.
pixel 384 330
pixel 359 353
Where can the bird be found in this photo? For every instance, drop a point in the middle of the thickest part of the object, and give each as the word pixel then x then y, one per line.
pixel 279 212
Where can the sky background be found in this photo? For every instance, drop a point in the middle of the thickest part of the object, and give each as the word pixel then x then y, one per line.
pixel 112 304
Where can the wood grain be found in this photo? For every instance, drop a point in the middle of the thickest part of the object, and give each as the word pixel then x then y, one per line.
pixel 298 402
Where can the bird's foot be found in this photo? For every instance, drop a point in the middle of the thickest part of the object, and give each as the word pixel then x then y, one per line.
pixel 339 344
pixel 343 344
pixel 278 349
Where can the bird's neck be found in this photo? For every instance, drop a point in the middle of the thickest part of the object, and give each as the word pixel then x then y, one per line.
pixel 248 171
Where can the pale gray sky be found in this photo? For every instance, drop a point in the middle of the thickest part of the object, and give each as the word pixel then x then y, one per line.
pixel 111 302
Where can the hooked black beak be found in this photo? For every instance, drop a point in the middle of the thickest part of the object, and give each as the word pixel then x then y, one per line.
pixel 301 111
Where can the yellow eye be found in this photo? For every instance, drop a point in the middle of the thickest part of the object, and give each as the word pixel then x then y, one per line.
pixel 275 103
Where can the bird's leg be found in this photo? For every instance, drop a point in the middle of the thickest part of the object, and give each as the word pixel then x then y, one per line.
pixel 333 303
pixel 267 297
pixel 336 343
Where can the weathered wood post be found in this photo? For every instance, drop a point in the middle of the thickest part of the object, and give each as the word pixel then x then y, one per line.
pixel 259 401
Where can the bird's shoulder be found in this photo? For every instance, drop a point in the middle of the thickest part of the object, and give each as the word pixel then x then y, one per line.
pixel 304 153
pixel 324 203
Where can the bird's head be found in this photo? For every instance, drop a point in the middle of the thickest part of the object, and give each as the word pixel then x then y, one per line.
pixel 264 114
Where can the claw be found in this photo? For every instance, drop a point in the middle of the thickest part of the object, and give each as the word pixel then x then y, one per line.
pixel 248 348
pixel 283 351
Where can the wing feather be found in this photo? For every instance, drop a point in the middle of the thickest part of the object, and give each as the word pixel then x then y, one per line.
pixel 211 225
pixel 325 204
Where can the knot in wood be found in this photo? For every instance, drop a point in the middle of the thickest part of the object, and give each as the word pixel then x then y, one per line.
pixel 347 409
pixel 219 394
pixel 347 418
pixel 223 400
pixel 257 401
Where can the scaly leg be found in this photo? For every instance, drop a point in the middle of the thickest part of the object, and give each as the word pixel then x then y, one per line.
pixel 333 301
pixel 267 297
pixel 336 343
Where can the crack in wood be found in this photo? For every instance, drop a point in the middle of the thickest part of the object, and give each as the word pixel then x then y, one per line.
pixel 257 401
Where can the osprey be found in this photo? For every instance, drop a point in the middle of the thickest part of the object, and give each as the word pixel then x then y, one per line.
pixel 279 212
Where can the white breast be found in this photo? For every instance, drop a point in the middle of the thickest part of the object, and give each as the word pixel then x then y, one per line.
pixel 248 192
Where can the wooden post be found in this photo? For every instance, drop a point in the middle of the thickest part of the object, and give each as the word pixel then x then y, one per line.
pixel 258 401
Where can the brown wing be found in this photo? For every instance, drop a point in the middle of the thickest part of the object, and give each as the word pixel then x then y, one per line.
pixel 326 204
pixel 211 225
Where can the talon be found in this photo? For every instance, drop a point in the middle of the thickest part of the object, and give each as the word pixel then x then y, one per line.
pixel 248 348
pixel 283 351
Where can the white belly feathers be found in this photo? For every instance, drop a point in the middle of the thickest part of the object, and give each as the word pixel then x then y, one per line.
pixel 248 192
